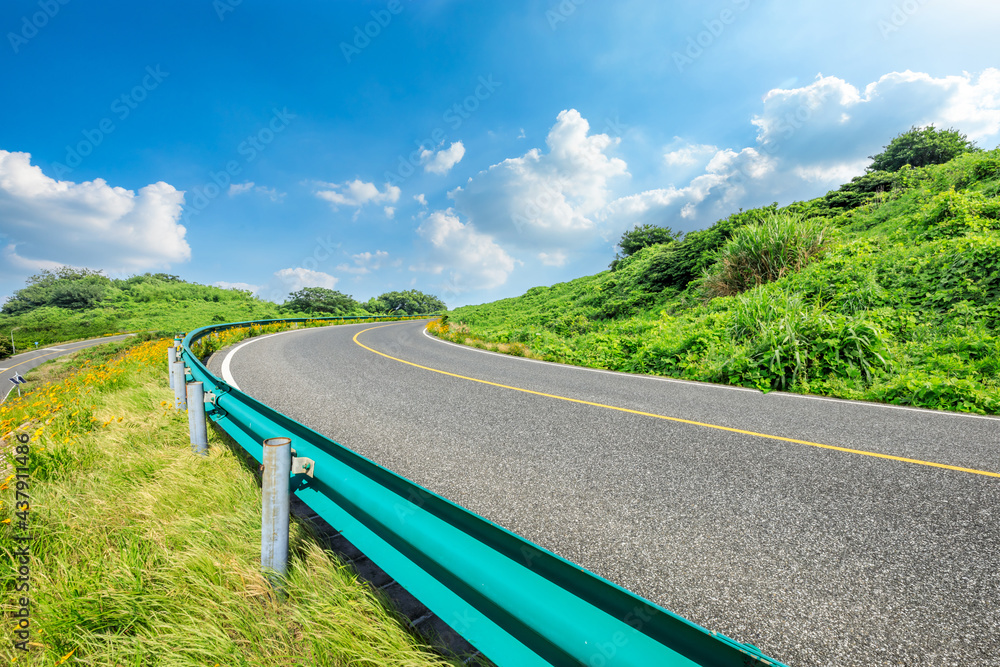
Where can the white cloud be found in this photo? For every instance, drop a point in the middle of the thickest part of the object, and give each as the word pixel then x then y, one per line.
pixel 241 188
pixel 812 139
pixel 556 258
pixel 683 154
pixel 365 262
pixel 286 281
pixel 357 193
pixel 442 161
pixel 545 199
pixel 246 287
pixel 47 223
pixel 420 199
pixel 468 259
pixel 390 212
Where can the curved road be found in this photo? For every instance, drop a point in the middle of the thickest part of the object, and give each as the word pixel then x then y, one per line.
pixel 823 531
pixel 19 364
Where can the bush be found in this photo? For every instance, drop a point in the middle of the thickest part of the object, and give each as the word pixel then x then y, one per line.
pixel 5 349
pixel 761 253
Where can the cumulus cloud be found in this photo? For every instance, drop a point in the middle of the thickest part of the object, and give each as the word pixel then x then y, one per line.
pixel 465 258
pixel 420 199
pixel 442 161
pixel 365 262
pixel 48 223
pixel 357 193
pixel 809 140
pixel 546 199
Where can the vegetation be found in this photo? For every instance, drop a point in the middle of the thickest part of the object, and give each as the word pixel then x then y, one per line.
pixel 72 304
pixel 410 302
pixel 920 147
pixel 887 289
pixel 144 554
pixel 321 301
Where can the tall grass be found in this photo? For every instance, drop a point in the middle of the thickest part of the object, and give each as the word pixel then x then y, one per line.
pixel 145 554
pixel 761 253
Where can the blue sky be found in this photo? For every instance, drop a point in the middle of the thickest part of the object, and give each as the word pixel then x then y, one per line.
pixel 467 149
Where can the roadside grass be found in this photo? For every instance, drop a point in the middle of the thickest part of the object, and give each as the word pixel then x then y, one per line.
pixel 146 554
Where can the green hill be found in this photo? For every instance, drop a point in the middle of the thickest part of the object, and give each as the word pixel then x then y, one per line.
pixel 887 289
pixel 70 304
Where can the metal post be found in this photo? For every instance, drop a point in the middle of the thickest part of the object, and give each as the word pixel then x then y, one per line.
pixel 274 524
pixel 180 382
pixel 196 418
pixel 171 358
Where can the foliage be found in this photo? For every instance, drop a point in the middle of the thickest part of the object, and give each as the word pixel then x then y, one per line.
pixel 320 300
pixel 65 287
pixel 5 349
pixel 409 302
pixel 761 253
pixel 144 554
pixel 919 147
pixel 643 236
pixel 902 306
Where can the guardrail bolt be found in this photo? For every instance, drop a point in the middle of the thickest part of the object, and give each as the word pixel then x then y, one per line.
pixel 274 485
pixel 196 417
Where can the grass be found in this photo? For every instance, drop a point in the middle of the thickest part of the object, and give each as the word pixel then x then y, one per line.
pixel 889 296
pixel 145 554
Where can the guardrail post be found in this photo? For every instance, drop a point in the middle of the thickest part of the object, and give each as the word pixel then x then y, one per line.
pixel 171 358
pixel 180 388
pixel 196 418
pixel 274 524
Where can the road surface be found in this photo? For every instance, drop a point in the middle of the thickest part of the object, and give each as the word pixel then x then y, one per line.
pixel 826 532
pixel 23 362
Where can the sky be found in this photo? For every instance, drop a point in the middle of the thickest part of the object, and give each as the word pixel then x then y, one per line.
pixel 470 150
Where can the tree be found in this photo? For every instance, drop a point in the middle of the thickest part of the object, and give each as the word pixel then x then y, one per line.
pixel 320 300
pixel 644 236
pixel 65 287
pixel 920 147
pixel 410 302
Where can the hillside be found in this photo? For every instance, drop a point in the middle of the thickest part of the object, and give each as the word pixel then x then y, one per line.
pixel 70 304
pixel 887 289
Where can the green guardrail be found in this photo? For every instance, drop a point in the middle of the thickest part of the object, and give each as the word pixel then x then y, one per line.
pixel 517 603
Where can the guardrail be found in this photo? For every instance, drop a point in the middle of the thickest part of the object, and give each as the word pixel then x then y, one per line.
pixel 517 603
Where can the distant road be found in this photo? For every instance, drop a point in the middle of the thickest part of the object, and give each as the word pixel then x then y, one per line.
pixel 20 364
pixel 826 532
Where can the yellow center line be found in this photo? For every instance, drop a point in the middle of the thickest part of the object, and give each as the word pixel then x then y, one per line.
pixel 675 419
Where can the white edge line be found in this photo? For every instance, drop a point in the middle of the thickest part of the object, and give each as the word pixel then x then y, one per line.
pixel 227 374
pixel 942 413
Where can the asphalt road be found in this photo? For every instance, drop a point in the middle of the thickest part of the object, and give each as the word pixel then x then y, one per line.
pixel 819 556
pixel 21 363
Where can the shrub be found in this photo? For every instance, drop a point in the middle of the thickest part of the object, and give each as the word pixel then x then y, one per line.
pixel 764 252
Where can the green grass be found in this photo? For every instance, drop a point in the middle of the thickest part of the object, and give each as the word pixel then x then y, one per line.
pixel 145 554
pixel 887 296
